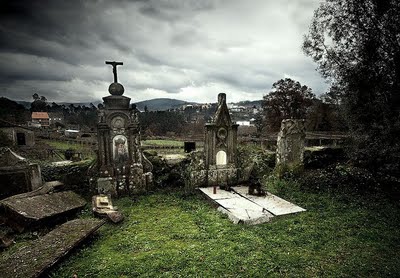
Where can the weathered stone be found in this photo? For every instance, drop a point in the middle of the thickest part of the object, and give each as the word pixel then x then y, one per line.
pixel 6 240
pixel 33 259
pixel 124 169
pixel 221 137
pixel 106 186
pixel 290 143
pixel 220 148
pixel 17 175
pixel 115 216
pixel 22 211
pixel 19 135
pixel 103 207
pixel 243 208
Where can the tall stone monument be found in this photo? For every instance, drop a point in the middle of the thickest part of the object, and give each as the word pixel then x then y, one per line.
pixel 290 143
pixel 123 168
pixel 221 147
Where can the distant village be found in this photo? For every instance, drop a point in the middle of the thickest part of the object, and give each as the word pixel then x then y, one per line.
pixel 79 121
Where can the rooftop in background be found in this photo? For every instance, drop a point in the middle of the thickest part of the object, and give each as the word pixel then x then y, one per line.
pixel 40 115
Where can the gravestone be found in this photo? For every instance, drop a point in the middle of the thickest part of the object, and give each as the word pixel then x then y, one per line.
pixel 221 147
pixel 290 143
pixel 123 168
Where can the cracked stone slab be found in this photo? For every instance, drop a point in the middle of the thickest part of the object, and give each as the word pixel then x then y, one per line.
pixel 33 259
pixel 270 202
pixel 248 209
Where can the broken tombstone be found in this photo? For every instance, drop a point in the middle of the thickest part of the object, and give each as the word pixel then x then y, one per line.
pixel 102 206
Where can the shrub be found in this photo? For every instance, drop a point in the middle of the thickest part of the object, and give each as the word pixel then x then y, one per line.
pixel 339 177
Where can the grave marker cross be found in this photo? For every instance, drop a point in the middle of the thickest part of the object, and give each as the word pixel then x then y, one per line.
pixel 114 65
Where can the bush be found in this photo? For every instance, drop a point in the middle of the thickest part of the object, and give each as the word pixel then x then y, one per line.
pixel 165 175
pixel 339 177
pixel 288 172
pixel 317 159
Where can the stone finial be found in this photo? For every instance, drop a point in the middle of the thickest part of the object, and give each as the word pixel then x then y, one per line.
pixel 221 98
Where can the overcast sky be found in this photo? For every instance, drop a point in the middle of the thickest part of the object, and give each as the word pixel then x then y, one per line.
pixel 185 49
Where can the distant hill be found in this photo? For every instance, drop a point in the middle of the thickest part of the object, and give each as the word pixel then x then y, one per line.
pixel 26 104
pixel 156 104
pixel 95 103
pixel 161 104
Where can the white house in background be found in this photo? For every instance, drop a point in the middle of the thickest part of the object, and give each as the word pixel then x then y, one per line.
pixel 72 133
pixel 243 123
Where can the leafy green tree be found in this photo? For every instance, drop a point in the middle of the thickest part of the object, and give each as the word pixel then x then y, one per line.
pixel 288 99
pixel 357 47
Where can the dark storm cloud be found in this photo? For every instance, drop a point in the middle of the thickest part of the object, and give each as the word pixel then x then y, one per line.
pixel 170 48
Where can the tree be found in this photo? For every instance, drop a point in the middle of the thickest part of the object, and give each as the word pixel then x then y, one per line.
pixel 356 46
pixel 288 99
pixel 35 96
pixel 39 103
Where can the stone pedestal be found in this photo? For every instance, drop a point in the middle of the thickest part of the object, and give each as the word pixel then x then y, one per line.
pixel 290 143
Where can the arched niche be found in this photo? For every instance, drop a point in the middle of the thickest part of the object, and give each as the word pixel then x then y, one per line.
pixel 221 158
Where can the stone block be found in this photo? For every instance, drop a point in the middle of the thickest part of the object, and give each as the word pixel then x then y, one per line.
pixel 106 186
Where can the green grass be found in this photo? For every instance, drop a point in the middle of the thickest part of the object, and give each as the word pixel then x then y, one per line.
pixel 167 234
pixel 167 143
pixel 86 150
pixel 61 145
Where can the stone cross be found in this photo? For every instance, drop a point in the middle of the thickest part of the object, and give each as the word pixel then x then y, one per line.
pixel 114 65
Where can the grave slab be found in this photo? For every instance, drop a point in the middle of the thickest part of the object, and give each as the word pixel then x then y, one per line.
pixel 21 211
pixel 248 209
pixel 270 202
pixel 33 259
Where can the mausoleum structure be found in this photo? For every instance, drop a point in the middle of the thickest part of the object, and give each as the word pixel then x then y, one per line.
pixel 17 174
pixel 220 147
pixel 217 165
pixel 123 168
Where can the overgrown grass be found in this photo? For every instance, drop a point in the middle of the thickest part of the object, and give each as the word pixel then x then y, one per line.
pixel 168 234
pixel 86 150
pixel 61 145
pixel 167 143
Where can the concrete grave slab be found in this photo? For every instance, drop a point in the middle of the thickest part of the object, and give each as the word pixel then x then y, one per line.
pixel 25 210
pixel 248 209
pixel 272 203
pixel 33 259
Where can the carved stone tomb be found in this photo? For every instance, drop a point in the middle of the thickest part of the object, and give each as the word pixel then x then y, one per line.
pixel 124 170
pixel 221 147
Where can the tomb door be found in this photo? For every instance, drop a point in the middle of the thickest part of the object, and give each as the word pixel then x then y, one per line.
pixel 21 139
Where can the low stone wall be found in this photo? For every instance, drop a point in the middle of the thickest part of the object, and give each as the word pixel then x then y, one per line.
pixel 75 176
